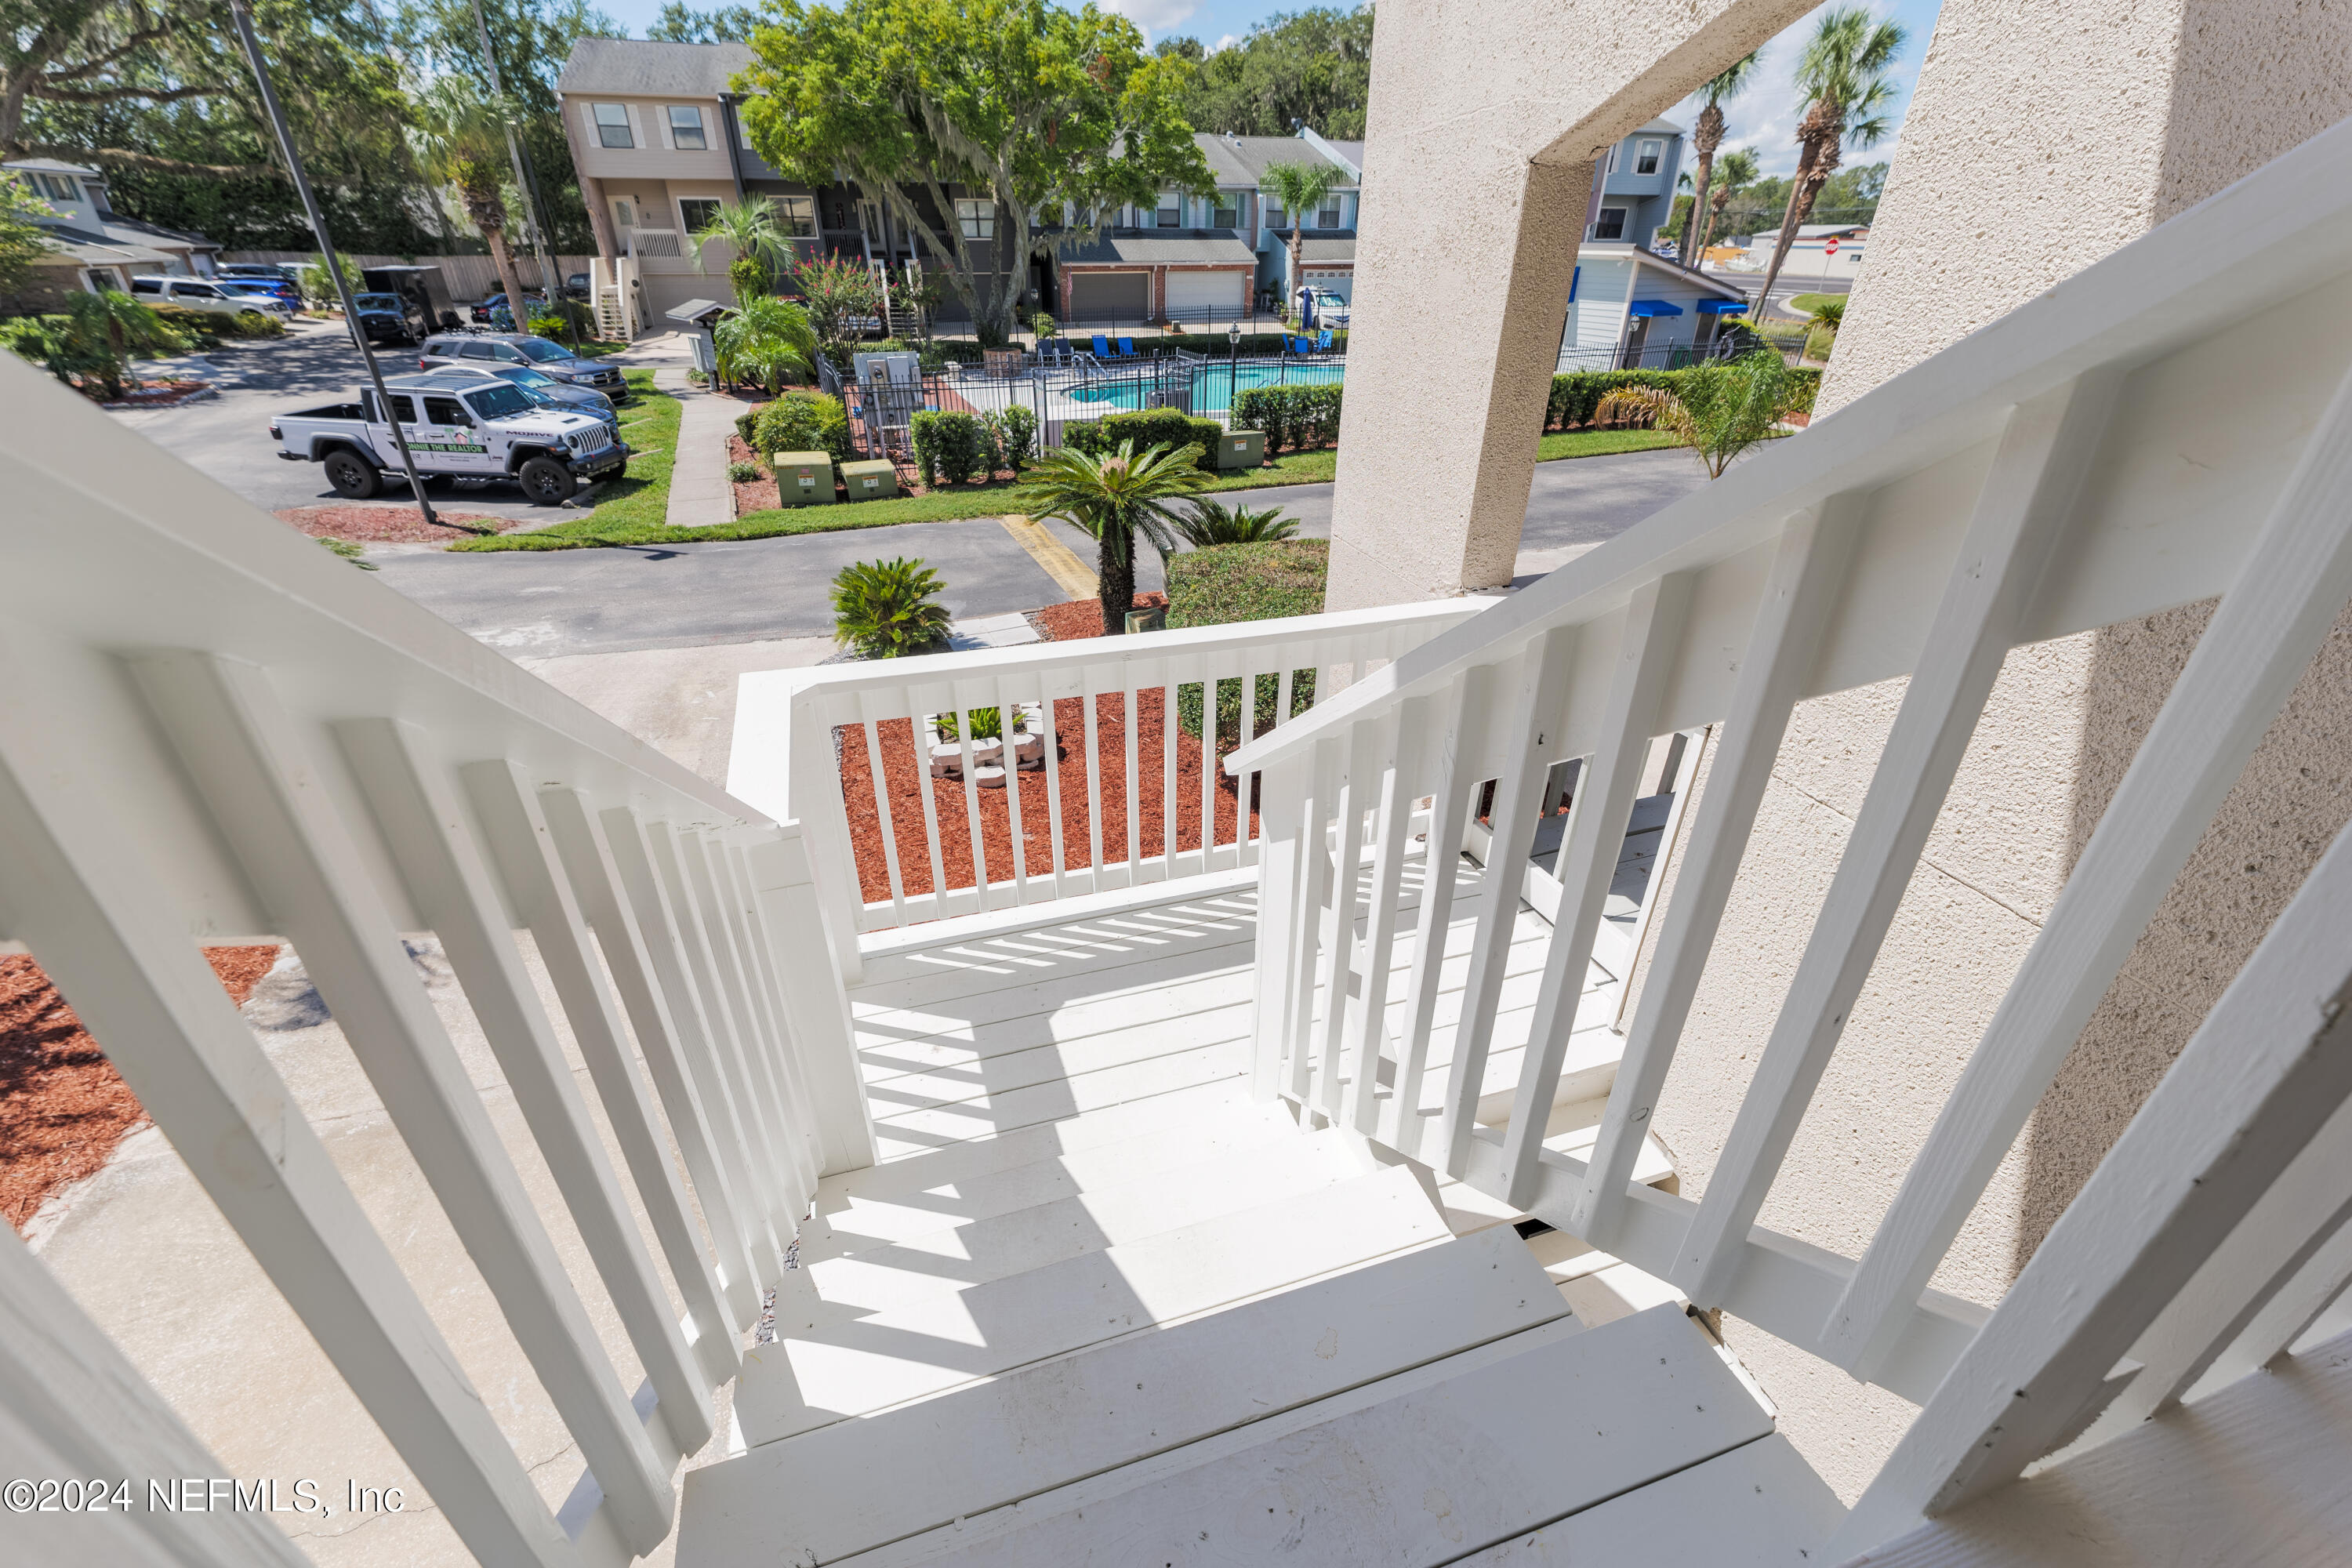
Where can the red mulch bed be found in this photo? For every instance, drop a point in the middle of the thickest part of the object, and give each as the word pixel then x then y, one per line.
pixel 385 524
pixel 751 495
pixel 904 776
pixel 159 394
pixel 63 1107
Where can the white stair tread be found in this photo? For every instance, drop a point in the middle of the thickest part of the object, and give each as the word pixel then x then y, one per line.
pixel 900 1131
pixel 879 1278
pixel 936 1072
pixel 856 1485
pixel 1414 1471
pixel 951 1338
pixel 1760 1506
pixel 932 1166
pixel 908 1198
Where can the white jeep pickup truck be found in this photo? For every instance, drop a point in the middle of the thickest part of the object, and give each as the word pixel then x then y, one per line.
pixel 458 427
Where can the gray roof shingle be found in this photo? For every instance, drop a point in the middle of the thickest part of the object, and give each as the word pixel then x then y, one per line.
pixel 1242 160
pixel 1176 248
pixel 642 67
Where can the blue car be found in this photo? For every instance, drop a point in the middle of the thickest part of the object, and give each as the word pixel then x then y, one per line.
pixel 250 277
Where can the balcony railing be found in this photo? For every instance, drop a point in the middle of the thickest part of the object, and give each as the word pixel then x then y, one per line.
pixel 661 244
pixel 2169 425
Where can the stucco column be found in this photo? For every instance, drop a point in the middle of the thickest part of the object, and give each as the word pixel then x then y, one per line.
pixel 2042 137
pixel 1485 119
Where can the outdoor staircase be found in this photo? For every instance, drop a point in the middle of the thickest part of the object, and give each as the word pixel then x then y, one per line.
pixel 1099 1305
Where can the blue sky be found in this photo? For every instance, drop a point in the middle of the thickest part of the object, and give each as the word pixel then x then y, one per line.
pixel 1764 117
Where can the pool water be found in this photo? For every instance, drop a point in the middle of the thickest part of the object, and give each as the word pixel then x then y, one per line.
pixel 1213 385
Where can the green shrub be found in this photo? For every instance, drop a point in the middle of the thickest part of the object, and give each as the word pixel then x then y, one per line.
pixel 950 448
pixel 1013 432
pixel 1804 385
pixel 743 473
pixel 1293 417
pixel 553 327
pixel 1246 582
pixel 1146 428
pixel 1213 524
pixel 1577 394
pixel 887 608
pixel 987 724
pixel 798 421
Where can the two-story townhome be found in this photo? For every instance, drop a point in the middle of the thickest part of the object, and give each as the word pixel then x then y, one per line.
pixel 1631 304
pixel 91 246
pixel 1198 259
pixel 1633 187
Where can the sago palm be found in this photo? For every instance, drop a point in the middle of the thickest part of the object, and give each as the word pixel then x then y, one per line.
pixel 1847 95
pixel 887 608
pixel 1718 410
pixel 749 228
pixel 1213 523
pixel 1115 498
pixel 1300 188
pixel 763 340
pixel 1706 136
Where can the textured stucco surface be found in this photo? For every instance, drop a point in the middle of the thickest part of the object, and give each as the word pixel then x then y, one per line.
pixel 1485 120
pixel 2115 117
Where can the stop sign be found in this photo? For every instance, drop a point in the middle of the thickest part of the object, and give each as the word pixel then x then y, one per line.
pixel 1830 248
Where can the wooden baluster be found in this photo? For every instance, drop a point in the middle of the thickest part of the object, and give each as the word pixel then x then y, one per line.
pixel 591 870
pixel 247 761
pixel 1645 652
pixel 415 805
pixel 964 708
pixel 1061 861
pixel 1348 792
pixel 1009 715
pixel 1281 880
pixel 1464 714
pixel 2273 618
pixel 731 864
pixel 1399 745
pixel 928 786
pixel 866 730
pixel 1169 730
pixel 1089 702
pixel 1314 885
pixel 1531 732
pixel 761 1050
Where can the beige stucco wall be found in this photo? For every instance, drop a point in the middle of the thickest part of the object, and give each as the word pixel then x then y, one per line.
pixel 1485 116
pixel 2042 136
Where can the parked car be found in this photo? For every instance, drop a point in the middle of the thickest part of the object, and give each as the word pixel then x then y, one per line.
pixel 485 312
pixel 276 288
pixel 1330 310
pixel 458 427
pixel 198 294
pixel 383 318
pixel 520 348
pixel 575 286
pixel 539 385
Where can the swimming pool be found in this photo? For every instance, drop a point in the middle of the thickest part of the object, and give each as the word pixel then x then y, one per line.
pixel 1213 385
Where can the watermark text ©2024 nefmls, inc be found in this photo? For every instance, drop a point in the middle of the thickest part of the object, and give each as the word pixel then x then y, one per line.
pixel 196 1494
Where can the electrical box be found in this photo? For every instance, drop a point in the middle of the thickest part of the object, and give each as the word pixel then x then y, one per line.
pixel 871 480
pixel 1241 449
pixel 803 478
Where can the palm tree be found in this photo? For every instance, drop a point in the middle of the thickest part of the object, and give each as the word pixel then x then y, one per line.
pixel 1734 172
pixel 1718 410
pixel 1213 524
pixel 466 149
pixel 764 337
pixel 1300 188
pixel 1842 76
pixel 761 247
pixel 1116 497
pixel 1706 138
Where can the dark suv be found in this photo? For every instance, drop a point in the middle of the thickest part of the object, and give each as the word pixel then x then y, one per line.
pixel 482 349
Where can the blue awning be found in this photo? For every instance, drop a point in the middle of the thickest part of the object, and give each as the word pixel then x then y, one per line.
pixel 1654 308
pixel 1723 307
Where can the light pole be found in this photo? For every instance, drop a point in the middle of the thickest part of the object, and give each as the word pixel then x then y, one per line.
pixel 1233 367
pixel 244 16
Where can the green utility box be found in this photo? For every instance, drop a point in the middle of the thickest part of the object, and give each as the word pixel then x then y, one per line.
pixel 1242 449
pixel 803 478
pixel 871 480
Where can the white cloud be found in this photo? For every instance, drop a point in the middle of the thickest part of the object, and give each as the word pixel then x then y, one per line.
pixel 1227 42
pixel 1154 17
pixel 1764 116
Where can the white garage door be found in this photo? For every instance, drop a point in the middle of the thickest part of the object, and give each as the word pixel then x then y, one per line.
pixel 1204 296
pixel 1340 280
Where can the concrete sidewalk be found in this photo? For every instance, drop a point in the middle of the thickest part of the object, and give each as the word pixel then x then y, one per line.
pixel 700 494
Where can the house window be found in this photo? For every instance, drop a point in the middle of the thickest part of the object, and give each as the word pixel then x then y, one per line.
pixel 1646 155
pixel 1611 224
pixel 796 216
pixel 976 216
pixel 613 125
pixel 1171 210
pixel 1227 213
pixel 624 211
pixel 686 128
pixel 1273 213
pixel 695 213
pixel 57 187
pixel 1329 217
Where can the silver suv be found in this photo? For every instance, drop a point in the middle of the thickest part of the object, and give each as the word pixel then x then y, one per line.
pixel 195 294
pixel 484 350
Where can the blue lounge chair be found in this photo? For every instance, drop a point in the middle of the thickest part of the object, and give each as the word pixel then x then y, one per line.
pixel 1102 347
pixel 1127 349
pixel 1323 341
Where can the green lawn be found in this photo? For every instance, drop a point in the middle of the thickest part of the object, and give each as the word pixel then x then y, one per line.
pixel 1806 304
pixel 634 509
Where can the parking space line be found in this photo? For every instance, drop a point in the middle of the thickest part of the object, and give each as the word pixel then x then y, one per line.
pixel 1060 562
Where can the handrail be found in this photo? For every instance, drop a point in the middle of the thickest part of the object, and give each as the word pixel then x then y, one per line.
pixel 2174 423
pixel 2225 262
pixel 213 731
pixel 796 729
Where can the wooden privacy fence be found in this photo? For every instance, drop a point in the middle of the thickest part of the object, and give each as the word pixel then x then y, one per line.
pixel 2173 424
pixel 212 730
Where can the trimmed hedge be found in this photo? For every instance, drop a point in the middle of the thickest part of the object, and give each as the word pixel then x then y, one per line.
pixel 798 421
pixel 1145 427
pixel 1575 394
pixel 1293 417
pixel 1246 582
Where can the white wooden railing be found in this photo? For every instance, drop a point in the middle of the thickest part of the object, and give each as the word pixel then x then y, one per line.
pixel 810 743
pixel 655 243
pixel 213 731
pixel 2173 424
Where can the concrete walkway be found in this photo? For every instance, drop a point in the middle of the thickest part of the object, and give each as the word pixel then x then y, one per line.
pixel 700 494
